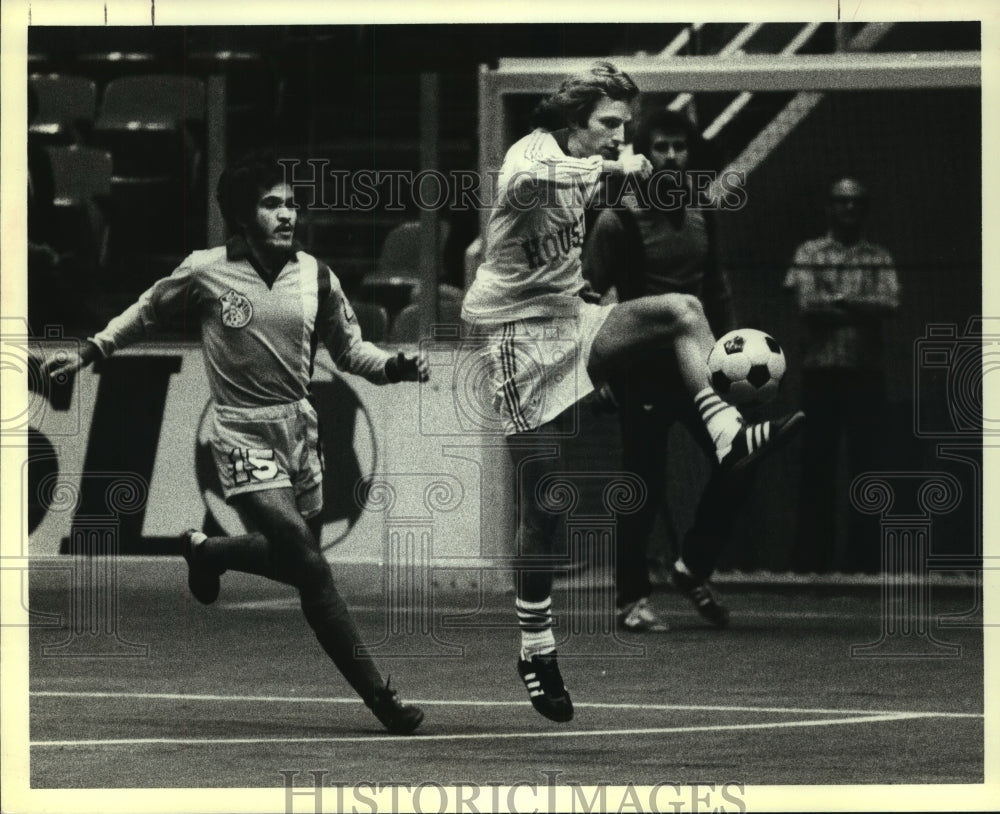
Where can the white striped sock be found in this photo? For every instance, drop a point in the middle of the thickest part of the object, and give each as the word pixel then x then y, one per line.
pixel 535 621
pixel 723 421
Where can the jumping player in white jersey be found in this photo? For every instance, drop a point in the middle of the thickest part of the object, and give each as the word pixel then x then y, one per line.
pixel 547 345
pixel 262 303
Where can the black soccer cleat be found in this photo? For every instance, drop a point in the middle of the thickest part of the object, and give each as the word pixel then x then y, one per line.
pixel 202 580
pixel 397 717
pixel 544 683
pixel 756 440
pixel 701 597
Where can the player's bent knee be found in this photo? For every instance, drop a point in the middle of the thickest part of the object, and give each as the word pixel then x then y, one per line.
pixel 643 321
pixel 680 313
pixel 682 307
pixel 667 315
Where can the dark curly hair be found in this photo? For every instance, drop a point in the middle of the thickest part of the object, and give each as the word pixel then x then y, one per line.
pixel 578 94
pixel 242 182
pixel 667 121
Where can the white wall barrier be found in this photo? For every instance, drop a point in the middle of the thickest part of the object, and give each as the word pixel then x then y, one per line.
pixel 407 479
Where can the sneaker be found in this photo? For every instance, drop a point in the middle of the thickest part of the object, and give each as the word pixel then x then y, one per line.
pixel 203 581
pixel 701 597
pixel 544 683
pixel 397 717
pixel 755 440
pixel 639 617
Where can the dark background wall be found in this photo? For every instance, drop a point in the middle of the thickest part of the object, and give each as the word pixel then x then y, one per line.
pixel 919 152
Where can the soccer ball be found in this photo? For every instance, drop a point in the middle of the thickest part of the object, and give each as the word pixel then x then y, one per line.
pixel 746 367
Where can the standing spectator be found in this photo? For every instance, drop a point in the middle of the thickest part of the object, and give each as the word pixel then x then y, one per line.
pixel 657 243
pixel 844 289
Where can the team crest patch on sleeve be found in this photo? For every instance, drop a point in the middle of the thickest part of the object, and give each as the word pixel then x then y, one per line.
pixel 237 310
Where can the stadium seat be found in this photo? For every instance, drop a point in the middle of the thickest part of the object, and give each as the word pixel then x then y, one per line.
pixel 373 319
pixel 450 294
pixel 147 123
pixel 153 98
pixel 392 293
pixel 145 120
pixel 400 251
pixel 406 326
pixel 400 254
pixel 66 108
pixel 80 173
pixel 81 179
pixel 396 277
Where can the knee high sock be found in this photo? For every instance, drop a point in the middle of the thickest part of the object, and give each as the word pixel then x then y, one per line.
pixel 331 621
pixel 723 421
pixel 247 553
pixel 535 621
pixel 323 606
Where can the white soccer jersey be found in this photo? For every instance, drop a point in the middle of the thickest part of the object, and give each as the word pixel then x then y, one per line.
pixel 535 233
pixel 258 339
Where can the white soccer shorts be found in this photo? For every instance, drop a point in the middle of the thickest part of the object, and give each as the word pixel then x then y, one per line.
pixel 540 365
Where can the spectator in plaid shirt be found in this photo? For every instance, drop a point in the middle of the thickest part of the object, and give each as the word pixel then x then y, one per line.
pixel 844 288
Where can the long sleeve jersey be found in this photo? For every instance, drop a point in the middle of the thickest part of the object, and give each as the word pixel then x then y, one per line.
pixel 258 337
pixel 536 228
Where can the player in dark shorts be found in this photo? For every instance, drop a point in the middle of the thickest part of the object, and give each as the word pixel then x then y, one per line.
pixel 667 244
pixel 262 304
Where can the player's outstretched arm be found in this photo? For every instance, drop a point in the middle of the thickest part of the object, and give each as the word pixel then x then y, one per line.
pixel 408 368
pixel 71 363
pixel 167 296
pixel 630 164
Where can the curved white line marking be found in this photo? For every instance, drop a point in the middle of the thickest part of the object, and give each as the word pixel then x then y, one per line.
pixel 482 735
pixel 854 717
pixel 432 702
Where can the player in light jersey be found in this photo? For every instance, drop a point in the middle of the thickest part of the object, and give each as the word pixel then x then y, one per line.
pixel 262 303
pixel 547 346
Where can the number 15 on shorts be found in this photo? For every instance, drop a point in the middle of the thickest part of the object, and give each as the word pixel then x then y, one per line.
pixel 253 465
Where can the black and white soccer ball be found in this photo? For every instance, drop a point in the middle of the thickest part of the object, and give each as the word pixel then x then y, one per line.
pixel 746 367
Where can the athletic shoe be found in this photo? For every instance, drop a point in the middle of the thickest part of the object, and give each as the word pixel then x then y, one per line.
pixel 203 581
pixel 701 597
pixel 755 440
pixel 639 617
pixel 397 717
pixel 544 683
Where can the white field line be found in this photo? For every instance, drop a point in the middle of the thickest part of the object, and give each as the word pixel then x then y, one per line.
pixel 166 696
pixel 852 717
pixel 292 604
pixel 490 736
